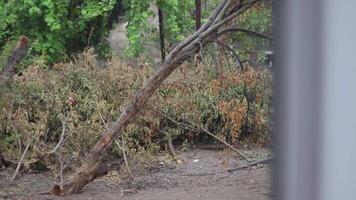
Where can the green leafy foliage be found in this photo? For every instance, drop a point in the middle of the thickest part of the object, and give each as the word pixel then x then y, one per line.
pixel 258 19
pixel 55 27
pixel 178 21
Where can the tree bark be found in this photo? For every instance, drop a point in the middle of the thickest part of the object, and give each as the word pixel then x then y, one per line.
pixel 197 21
pixel 16 56
pixel 161 33
pixel 197 14
pixel 90 168
pixel 9 71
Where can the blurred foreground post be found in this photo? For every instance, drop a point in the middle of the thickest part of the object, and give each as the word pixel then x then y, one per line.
pixel 315 100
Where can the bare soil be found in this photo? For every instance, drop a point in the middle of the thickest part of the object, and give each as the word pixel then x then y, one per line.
pixel 198 174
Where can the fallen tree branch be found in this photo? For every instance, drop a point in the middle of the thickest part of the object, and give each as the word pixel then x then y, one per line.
pixel 16 56
pixel 91 165
pixel 20 161
pixel 8 71
pixel 251 164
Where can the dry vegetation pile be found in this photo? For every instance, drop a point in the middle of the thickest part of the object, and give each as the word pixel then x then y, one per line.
pixel 81 98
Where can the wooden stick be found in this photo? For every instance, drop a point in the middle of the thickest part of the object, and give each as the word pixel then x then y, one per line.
pixel 227 144
pixel 250 164
pixel 61 168
pixel 21 159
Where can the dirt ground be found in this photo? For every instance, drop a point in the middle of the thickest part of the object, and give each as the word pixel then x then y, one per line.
pixel 199 174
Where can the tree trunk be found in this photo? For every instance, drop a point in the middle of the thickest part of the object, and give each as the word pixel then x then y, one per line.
pixel 197 21
pixel 18 53
pixel 161 33
pixel 90 168
pixel 197 14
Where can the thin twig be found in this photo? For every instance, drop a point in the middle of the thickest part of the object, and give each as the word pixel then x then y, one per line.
pixel 232 51
pixel 122 148
pixel 59 144
pixel 251 32
pixel 126 191
pixel 170 144
pixel 102 119
pixel 21 159
pixel 171 147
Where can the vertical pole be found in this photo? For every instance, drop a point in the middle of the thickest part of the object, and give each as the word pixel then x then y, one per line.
pixel 339 107
pixel 315 107
pixel 298 99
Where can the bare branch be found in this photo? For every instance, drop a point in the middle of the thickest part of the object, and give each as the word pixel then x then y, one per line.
pixel 251 32
pixel 227 144
pixel 122 148
pixel 20 161
pixel 232 51
pixel 61 140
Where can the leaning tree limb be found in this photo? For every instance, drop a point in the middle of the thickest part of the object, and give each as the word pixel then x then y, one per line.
pixel 9 70
pixel 91 165
pixel 16 56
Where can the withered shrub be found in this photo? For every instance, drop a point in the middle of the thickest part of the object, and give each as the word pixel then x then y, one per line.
pixel 235 104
